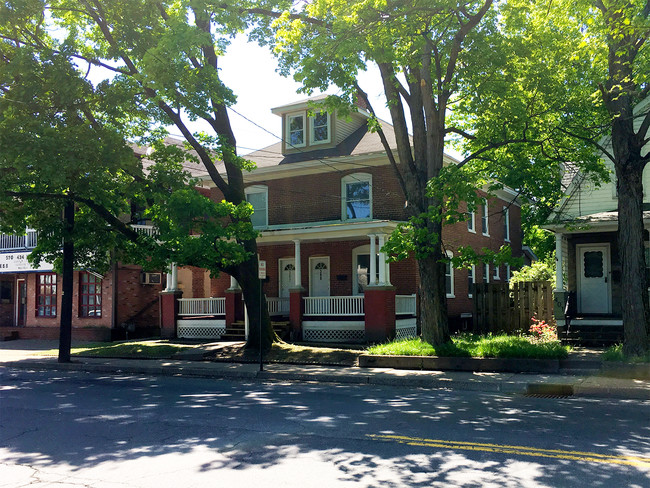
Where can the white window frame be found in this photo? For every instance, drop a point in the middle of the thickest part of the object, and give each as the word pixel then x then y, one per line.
pixel 496 275
pixel 485 221
pixel 312 129
pixel 508 273
pixel 288 142
pixel 471 272
pixel 506 224
pixel 471 221
pixel 250 190
pixel 355 178
pixel 486 272
pixel 451 275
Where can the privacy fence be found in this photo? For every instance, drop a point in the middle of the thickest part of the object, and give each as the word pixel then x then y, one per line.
pixel 498 308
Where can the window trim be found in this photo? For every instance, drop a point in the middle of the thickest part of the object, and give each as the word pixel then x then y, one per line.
pixel 451 276
pixel 95 306
pixel 471 272
pixel 485 222
pixel 254 189
pixel 360 251
pixel 506 223
pixel 55 284
pixel 486 272
pixel 289 117
pixel 496 274
pixel 312 129
pixel 508 273
pixel 355 178
pixel 471 221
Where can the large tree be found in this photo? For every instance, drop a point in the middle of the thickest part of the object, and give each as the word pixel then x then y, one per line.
pixel 67 171
pixel 164 57
pixel 451 72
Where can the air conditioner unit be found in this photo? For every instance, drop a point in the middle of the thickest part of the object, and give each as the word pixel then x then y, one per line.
pixel 150 278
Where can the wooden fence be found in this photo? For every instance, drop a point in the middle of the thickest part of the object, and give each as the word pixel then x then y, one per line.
pixel 497 308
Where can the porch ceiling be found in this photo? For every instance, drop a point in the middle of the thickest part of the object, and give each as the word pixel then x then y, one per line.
pixel 325 231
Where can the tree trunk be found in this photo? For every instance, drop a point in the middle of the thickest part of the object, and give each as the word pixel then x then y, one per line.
pixel 65 331
pixel 252 291
pixel 630 241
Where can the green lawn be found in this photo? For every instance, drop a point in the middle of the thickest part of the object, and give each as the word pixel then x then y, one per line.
pixel 151 349
pixel 469 345
pixel 615 353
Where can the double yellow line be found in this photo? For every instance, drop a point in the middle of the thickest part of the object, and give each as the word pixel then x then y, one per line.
pixel 591 457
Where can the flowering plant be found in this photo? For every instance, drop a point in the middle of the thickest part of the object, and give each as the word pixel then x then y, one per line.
pixel 541 331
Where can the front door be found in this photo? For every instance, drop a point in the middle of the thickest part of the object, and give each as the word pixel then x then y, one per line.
pixel 319 279
pixel 287 276
pixel 593 279
pixel 21 303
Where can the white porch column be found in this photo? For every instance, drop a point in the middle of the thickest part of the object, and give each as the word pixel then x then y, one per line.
pixel 174 274
pixel 234 285
pixel 559 281
pixel 382 260
pixel 298 271
pixel 372 278
pixel 169 279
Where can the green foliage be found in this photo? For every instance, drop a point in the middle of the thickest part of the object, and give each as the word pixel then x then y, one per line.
pixel 615 353
pixel 538 271
pixel 470 345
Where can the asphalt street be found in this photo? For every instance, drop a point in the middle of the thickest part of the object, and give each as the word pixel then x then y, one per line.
pixel 77 429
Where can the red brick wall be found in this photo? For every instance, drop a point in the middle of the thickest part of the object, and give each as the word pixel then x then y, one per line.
pixel 132 297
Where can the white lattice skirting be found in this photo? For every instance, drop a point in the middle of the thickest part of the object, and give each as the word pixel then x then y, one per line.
pixel 200 329
pixel 326 331
pixel 405 329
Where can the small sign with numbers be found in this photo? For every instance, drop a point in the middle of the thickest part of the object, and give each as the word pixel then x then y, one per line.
pixel 261 270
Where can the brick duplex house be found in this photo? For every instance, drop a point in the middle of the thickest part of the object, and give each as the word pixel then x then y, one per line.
pixel 325 199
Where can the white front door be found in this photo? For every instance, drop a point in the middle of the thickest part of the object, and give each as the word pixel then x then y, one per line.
pixel 593 278
pixel 287 276
pixel 319 277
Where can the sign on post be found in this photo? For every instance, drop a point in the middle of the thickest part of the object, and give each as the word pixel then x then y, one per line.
pixel 261 270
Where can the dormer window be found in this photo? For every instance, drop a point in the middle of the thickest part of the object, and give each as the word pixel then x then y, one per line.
pixel 296 130
pixel 320 128
pixel 258 197
pixel 356 196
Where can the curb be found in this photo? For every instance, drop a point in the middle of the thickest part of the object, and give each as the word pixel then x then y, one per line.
pixel 494 365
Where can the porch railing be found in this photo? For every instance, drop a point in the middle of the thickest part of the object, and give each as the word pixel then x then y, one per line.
pixel 334 306
pixel 405 305
pixel 9 242
pixel 201 306
pixel 277 305
pixel 148 230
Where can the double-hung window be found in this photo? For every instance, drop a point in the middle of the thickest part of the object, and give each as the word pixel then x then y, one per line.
pixel 90 295
pixel 320 128
pixel 471 221
pixel 356 196
pixel 485 228
pixel 296 130
pixel 449 276
pixel 506 224
pixel 258 197
pixel 46 295
pixel 471 273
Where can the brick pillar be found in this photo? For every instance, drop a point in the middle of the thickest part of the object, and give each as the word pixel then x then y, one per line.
pixel 234 306
pixel 379 305
pixel 296 311
pixel 169 313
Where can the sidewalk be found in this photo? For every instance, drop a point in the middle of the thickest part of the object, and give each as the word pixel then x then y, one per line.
pixel 593 384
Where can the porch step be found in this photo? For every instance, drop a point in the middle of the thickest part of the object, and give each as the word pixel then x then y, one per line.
pixel 583 333
pixel 237 330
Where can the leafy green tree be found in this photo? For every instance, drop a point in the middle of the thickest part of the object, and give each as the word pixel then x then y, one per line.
pixel 452 72
pixel 66 171
pixel 538 271
pixel 161 60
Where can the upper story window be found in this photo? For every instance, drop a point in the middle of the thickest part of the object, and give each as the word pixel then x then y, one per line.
pixel 486 273
pixel 471 273
pixel 356 196
pixel 46 295
pixel 449 276
pixel 321 132
pixel 471 221
pixel 485 228
pixel 296 130
pixel 506 224
pixel 496 274
pixel 258 197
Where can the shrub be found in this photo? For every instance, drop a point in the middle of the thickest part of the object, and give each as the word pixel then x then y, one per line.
pixel 541 331
pixel 538 271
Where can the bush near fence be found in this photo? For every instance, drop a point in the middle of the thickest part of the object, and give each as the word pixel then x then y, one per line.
pixel 501 309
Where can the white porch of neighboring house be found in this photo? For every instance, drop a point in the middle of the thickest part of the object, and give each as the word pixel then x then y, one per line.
pixel 322 281
pixel 588 274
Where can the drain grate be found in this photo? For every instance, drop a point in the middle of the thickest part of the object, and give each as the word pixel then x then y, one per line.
pixel 547 395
